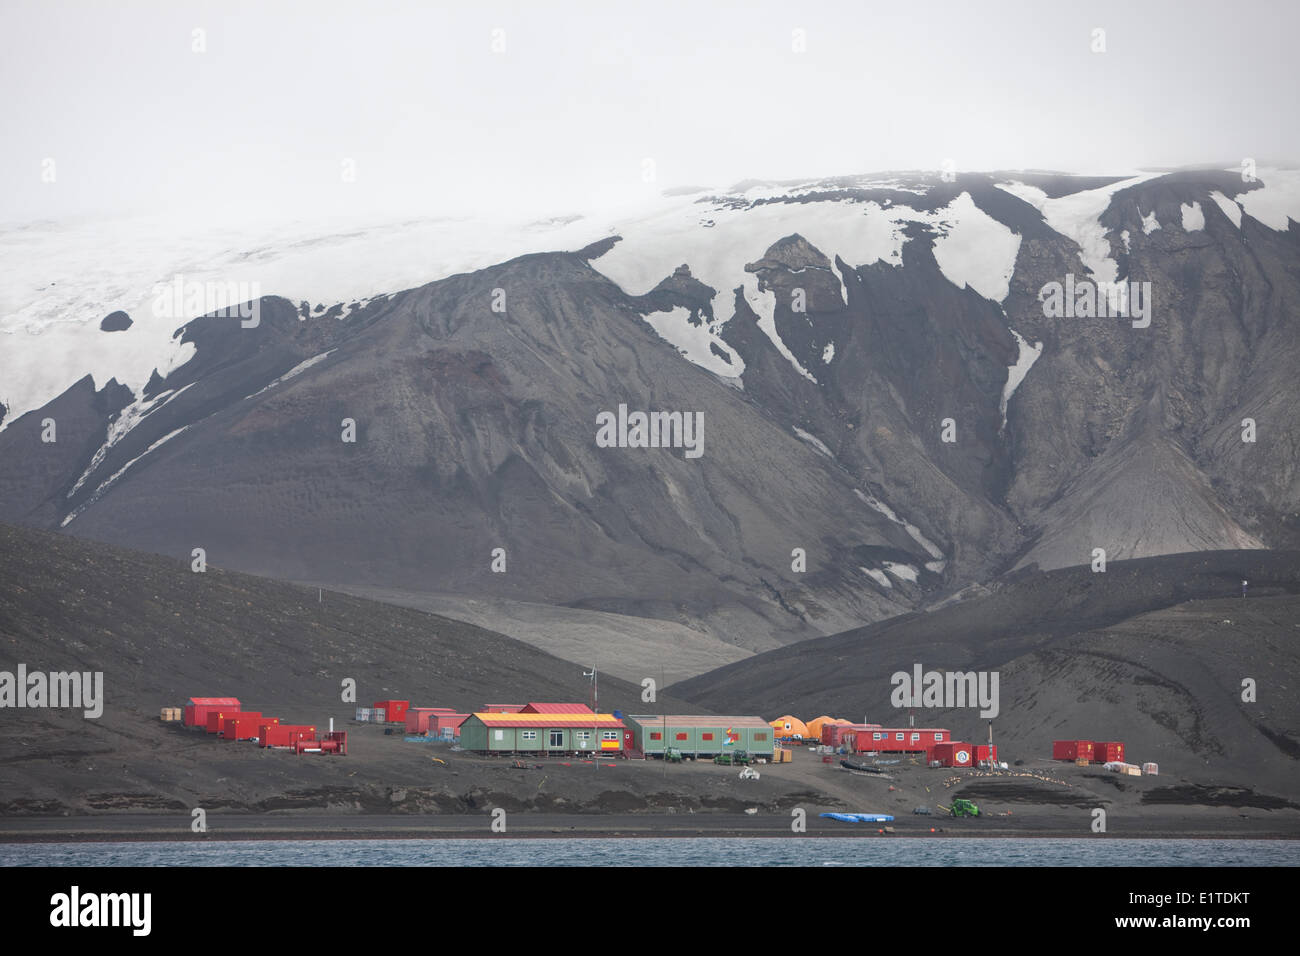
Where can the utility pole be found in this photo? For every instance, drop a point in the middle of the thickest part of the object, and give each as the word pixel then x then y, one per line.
pixel 595 709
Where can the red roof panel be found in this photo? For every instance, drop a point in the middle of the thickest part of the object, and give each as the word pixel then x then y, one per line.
pixel 536 708
pixel 549 721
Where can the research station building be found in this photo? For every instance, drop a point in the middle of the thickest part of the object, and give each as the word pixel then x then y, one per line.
pixel 543 733
pixel 697 736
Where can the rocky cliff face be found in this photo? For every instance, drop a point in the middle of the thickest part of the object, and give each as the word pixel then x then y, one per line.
pixel 1134 436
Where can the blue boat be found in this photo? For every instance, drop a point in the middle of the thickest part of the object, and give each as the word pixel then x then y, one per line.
pixel 861 817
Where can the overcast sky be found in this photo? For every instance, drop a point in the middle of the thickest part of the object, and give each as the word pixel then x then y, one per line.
pixel 432 118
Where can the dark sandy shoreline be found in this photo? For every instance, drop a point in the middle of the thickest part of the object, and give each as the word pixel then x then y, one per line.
pixel 127 828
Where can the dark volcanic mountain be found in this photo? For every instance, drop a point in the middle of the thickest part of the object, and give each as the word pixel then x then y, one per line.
pixel 475 431
pixel 880 387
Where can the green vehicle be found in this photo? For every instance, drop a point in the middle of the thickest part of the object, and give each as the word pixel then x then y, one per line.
pixel 964 808
pixel 732 758
pixel 673 755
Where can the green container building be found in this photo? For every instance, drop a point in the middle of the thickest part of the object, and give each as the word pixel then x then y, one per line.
pixel 697 736
pixel 542 733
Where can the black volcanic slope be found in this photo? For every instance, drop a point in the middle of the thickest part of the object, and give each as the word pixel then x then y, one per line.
pixel 161 633
pixel 1152 652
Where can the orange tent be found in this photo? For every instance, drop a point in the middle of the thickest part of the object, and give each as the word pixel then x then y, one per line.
pixel 788 726
pixel 817 723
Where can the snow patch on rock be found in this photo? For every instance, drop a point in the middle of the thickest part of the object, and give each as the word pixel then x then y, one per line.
pixel 108 482
pixel 814 441
pixel 976 250
pixel 1016 373
pixel 880 577
pixel 127 419
pixel 1078 217
pixel 695 342
pixel 61 278
pixel 884 509
pixel 1277 203
pixel 1228 207
pixel 294 372
pixel 904 572
pixel 654 244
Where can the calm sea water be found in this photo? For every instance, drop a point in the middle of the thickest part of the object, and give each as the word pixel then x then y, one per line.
pixel 700 851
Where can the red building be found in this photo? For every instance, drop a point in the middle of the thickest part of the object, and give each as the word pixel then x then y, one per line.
pixel 418 719
pixel 535 708
pixel 198 708
pixel 245 726
pixel 446 721
pixel 394 710
pixel 1072 750
pixel 835 735
pixel 953 754
pixel 216 718
pixel 1104 751
pixel 982 752
pixel 502 708
pixel 901 739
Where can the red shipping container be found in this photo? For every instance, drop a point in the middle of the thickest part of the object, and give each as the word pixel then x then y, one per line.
pixel 1072 750
pixel 198 708
pixel 441 722
pixel 418 719
pixel 217 717
pixel 245 726
pixel 283 735
pixel 984 752
pixel 1105 751
pixel 394 710
pixel 952 754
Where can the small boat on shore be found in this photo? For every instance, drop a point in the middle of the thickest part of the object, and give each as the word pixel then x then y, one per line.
pixel 860 767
